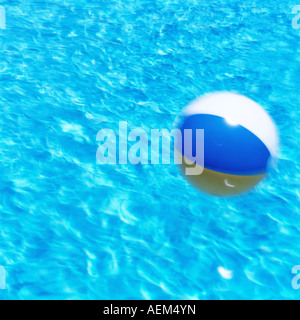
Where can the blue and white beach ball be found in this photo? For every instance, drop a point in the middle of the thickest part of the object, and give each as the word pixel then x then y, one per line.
pixel 240 141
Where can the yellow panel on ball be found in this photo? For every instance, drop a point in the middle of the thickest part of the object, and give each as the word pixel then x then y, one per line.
pixel 220 184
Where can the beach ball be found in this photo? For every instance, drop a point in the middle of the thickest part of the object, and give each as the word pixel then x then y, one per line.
pixel 236 142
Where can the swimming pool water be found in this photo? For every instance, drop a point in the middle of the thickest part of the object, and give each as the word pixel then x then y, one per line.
pixel 72 229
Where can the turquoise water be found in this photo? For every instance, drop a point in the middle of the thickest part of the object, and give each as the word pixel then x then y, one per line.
pixel 72 229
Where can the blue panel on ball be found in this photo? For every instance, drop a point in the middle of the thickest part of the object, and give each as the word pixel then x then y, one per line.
pixel 227 148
